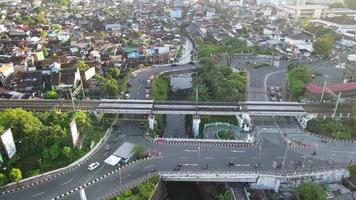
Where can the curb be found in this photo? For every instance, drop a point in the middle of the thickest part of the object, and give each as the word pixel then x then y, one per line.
pixel 98 179
pixel 331 139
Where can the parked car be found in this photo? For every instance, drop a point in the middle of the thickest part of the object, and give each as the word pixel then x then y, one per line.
pixel 127 95
pixel 147 96
pixel 93 166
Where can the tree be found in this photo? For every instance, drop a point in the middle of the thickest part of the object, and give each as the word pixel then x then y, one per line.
pixel 226 195
pixel 52 94
pixel 45 52
pixel 64 2
pixel 54 152
pixel 15 175
pixel 324 45
pixel 25 126
pixel 311 191
pixel 114 72
pixel 337 5
pixel 3 179
pixel 67 152
pixel 139 151
pixel 297 78
pixel 123 42
pixel 350 4
pixel 199 41
pixel 81 118
pixel 111 88
pixel 81 65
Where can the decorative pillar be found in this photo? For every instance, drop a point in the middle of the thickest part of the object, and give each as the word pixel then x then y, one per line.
pixel 196 123
pixel 151 122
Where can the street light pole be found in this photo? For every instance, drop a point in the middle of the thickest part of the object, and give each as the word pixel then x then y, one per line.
pixel 259 156
pixel 285 154
pixel 120 175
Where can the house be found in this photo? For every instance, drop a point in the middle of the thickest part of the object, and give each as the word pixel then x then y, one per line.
pixel 65 79
pixel 6 70
pixel 300 11
pixel 299 41
pixel 347 89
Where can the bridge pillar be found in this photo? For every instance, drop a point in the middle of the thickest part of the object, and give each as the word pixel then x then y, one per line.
pixel 303 120
pixel 196 123
pixel 151 122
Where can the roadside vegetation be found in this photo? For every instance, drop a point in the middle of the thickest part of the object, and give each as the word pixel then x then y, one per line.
pixel 226 134
pixel 298 76
pixel 226 195
pixel 352 170
pixel 311 191
pixel 326 38
pixel 230 46
pixel 218 83
pixel 43 140
pixel 343 129
pixel 159 88
pixel 143 191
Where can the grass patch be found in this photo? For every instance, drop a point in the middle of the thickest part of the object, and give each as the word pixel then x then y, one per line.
pixel 143 191
pixel 126 79
pixel 159 88
pixel 208 119
pixel 226 134
pixel 343 129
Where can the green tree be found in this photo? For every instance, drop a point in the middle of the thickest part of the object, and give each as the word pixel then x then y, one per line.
pixel 25 126
pixel 111 88
pixel 311 191
pixel 114 72
pixel 139 151
pixel 124 42
pixel 226 195
pixel 81 118
pixel 337 5
pixel 324 44
pixel 52 94
pixel 3 179
pixel 54 152
pixel 297 78
pixel 15 175
pixel 199 41
pixel 81 65
pixel 350 4
pixel 64 2
pixel 67 152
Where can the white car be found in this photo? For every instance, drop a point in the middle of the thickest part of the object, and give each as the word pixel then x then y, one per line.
pixel 93 166
pixel 127 95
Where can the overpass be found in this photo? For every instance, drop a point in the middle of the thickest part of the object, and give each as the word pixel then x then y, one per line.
pixel 254 108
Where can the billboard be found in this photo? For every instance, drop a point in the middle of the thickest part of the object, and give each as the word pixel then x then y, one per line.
pixel 8 142
pixel 74 131
pixel 89 73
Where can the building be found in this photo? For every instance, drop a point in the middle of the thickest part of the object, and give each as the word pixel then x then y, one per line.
pixel 299 41
pixel 341 12
pixel 347 90
pixel 300 11
pixel 342 24
pixel 6 70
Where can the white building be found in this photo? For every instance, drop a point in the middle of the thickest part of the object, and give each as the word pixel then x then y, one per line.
pixel 6 70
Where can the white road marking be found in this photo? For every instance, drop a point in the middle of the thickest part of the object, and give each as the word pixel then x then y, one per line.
pixel 232 157
pixel 190 150
pixel 242 165
pixel 190 164
pixel 209 158
pixel 237 151
pixel 149 166
pixel 280 157
pixel 38 194
pixel 184 157
pixel 106 153
pixel 67 181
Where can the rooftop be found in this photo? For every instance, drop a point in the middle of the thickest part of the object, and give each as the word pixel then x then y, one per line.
pixel 341 87
pixel 340 20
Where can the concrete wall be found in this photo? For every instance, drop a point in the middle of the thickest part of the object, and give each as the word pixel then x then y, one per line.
pixel 161 191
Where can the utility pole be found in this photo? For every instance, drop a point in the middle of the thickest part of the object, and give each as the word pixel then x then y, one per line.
pixel 285 154
pixel 322 93
pixel 337 105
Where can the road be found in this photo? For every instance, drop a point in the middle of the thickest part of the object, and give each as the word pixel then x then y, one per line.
pixel 192 158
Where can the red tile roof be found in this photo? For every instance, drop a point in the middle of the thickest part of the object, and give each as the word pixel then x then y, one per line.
pixel 341 87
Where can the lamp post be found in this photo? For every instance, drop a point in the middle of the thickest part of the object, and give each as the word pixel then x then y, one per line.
pixel 285 153
pixel 40 163
pixel 259 156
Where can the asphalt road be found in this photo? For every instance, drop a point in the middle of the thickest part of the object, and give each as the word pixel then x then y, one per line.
pixel 192 158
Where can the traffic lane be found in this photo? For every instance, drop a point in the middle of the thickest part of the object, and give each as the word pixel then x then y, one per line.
pixel 129 175
pixel 72 179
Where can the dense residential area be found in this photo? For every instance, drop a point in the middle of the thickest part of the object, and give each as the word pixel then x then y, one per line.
pixel 178 99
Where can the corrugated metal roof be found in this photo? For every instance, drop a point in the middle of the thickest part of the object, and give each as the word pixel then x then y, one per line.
pixel 125 150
